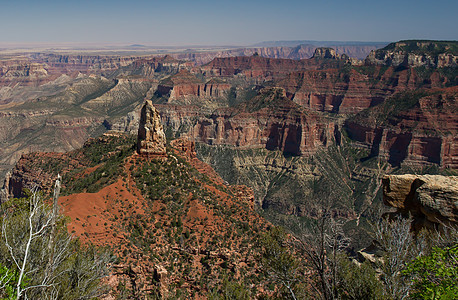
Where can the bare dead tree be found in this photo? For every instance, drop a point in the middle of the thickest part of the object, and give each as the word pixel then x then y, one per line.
pixel 322 242
pixel 22 246
pixel 53 264
pixel 395 239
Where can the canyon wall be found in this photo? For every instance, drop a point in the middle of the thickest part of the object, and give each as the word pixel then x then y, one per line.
pixel 184 87
pixel 412 128
pixel 276 124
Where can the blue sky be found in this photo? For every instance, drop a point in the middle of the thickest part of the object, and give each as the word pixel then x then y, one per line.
pixel 229 22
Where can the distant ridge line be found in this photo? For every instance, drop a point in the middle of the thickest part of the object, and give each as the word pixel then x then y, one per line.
pixel 317 43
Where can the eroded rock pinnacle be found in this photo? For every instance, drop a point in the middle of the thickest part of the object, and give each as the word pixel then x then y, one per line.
pixel 151 137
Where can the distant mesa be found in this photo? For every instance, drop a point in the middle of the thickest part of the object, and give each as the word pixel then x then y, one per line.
pixel 151 138
pixel 416 53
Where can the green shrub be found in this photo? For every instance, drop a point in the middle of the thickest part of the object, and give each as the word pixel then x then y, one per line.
pixel 435 276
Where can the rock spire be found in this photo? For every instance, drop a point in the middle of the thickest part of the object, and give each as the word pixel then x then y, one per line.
pixel 151 137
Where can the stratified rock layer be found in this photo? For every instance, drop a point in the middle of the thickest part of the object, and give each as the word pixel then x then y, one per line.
pixel 412 128
pixel 430 199
pixel 151 137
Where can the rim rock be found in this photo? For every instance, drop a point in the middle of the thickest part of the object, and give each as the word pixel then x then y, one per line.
pixel 430 199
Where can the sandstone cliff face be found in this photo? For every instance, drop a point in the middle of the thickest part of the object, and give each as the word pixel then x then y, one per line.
pixel 181 86
pixel 268 121
pixel 430 199
pixel 185 88
pixel 352 90
pixel 151 137
pixel 257 68
pixel 329 90
pixel 290 132
pixel 430 54
pixel 414 129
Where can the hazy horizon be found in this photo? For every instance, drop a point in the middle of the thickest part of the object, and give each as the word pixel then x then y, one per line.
pixel 231 23
pixel 146 46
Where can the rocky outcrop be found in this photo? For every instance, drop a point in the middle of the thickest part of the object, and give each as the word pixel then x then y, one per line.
pixel 185 147
pixel 431 54
pixel 4 191
pixel 151 137
pixel 430 199
pixel 326 53
pixel 323 52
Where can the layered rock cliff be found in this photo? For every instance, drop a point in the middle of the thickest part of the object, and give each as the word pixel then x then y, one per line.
pixel 71 64
pixel 258 68
pixel 24 72
pixel 185 88
pixel 269 120
pixel 417 128
pixel 351 89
